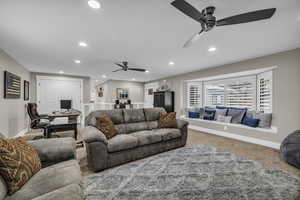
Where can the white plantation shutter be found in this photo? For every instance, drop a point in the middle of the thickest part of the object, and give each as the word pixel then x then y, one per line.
pixel 241 92
pixel 264 92
pixel 195 94
pixel 214 94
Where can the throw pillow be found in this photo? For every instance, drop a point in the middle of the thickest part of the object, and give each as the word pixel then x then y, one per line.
pixel 237 114
pixel 167 120
pixel 194 115
pixel 225 119
pixel 209 114
pixel 252 122
pixel 106 126
pixel 19 161
pixel 265 119
pixel 219 112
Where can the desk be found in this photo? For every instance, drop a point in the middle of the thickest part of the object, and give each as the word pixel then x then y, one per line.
pixel 74 114
pixel 61 124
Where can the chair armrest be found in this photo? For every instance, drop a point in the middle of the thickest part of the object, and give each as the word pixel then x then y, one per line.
pixel 181 123
pixel 55 150
pixel 92 134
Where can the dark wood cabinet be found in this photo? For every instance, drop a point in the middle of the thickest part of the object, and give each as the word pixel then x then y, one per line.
pixel 164 100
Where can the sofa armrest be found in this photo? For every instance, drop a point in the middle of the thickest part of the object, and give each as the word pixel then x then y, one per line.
pixel 55 150
pixel 181 123
pixel 92 134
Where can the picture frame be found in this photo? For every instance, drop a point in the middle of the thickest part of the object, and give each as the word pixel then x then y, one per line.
pixel 12 86
pixel 122 93
pixel 26 90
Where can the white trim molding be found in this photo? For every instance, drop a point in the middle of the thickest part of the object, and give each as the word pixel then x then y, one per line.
pixel 237 137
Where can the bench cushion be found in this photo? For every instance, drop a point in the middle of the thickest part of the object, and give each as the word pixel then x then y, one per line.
pixel 122 142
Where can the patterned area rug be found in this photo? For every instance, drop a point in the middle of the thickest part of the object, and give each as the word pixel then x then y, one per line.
pixel 197 172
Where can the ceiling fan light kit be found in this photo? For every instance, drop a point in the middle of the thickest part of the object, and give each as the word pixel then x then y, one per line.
pixel 208 21
pixel 124 67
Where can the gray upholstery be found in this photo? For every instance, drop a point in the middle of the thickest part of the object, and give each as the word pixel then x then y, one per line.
pixel 143 138
pixel 236 114
pixel 55 150
pixel 3 188
pixel 138 126
pixel 2 136
pixel 167 133
pixel 61 179
pixel 115 115
pixel 147 137
pixel 290 149
pixel 134 115
pixel 121 142
pixel 152 114
pixel 120 128
pixel 49 179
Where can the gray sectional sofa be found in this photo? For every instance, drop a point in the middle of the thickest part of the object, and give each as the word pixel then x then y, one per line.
pixel 59 178
pixel 138 136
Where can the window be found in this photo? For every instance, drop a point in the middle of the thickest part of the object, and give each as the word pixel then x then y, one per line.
pixel 252 91
pixel 264 92
pixel 194 94
pixel 214 94
pixel 241 92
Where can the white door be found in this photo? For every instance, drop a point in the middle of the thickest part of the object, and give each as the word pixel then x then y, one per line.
pixel 50 90
pixel 149 93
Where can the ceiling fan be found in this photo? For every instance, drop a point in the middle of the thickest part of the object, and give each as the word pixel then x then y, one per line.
pixel 124 67
pixel 208 21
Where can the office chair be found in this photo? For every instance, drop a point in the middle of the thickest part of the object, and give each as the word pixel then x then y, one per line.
pixel 35 118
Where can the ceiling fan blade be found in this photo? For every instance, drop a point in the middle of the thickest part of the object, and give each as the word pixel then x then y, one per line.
pixel 118 70
pixel 188 9
pixel 192 40
pixel 137 69
pixel 119 65
pixel 247 17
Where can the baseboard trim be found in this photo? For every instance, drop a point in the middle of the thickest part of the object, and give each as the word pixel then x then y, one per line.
pixel 237 137
pixel 21 133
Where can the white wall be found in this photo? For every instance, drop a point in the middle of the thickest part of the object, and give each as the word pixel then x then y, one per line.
pixel 13 115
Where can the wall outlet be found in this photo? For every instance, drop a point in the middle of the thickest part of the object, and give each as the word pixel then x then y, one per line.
pixel 225 128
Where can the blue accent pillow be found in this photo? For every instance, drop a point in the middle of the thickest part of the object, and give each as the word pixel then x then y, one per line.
pixel 194 115
pixel 221 107
pixel 252 122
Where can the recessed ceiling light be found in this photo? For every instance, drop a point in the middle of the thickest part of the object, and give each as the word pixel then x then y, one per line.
pixel 77 61
pixel 103 76
pixel 133 79
pixel 165 80
pixel 171 63
pixel 61 71
pixel 82 44
pixel 94 4
pixel 298 18
pixel 147 71
pixel 212 49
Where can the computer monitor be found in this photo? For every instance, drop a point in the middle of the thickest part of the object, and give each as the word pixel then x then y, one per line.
pixel 66 104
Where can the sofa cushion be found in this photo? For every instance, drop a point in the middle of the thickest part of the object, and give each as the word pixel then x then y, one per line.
pixel 237 114
pixel 49 179
pixel 152 125
pixel 106 126
pixel 167 133
pixel 120 128
pixel 167 120
pixel 19 161
pixel 133 127
pixel 122 142
pixel 146 137
pixel 115 115
pixel 152 114
pixel 69 192
pixel 134 115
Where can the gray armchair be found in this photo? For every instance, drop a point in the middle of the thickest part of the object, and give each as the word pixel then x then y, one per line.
pixel 59 178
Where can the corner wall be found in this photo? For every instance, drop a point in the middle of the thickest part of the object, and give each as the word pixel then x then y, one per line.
pixel 13 114
pixel 286 90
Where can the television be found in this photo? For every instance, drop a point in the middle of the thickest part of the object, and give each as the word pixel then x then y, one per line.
pixel 66 104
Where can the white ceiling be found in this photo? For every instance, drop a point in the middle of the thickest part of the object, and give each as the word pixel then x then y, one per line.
pixel 43 35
